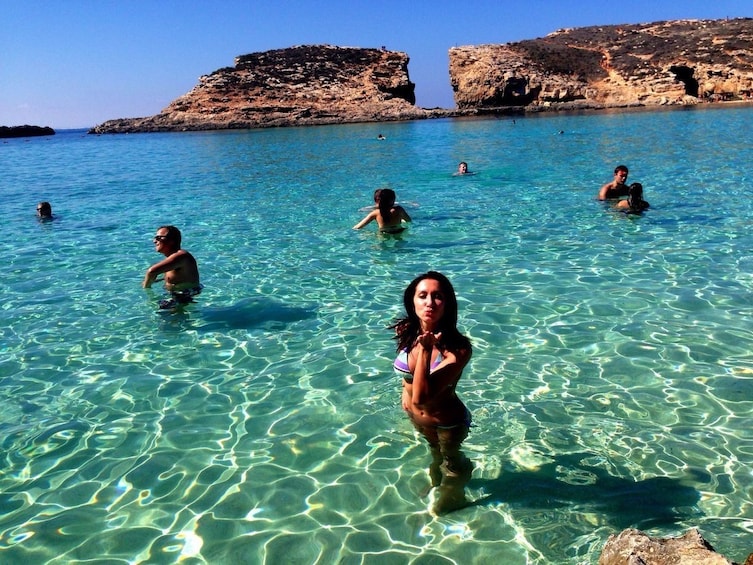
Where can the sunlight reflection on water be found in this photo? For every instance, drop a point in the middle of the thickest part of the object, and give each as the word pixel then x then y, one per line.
pixel 610 382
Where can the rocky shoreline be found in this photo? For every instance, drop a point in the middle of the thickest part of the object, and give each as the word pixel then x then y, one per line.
pixel 674 63
pixel 634 547
pixel 682 62
pixel 25 131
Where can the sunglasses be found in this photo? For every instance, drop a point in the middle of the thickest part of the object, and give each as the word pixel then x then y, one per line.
pixel 160 238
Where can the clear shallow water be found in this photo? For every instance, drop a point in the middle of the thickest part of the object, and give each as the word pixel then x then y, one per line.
pixel 611 383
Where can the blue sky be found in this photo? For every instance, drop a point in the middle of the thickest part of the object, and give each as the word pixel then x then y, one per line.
pixel 77 63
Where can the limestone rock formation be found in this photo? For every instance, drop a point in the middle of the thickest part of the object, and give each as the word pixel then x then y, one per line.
pixel 304 85
pixel 633 547
pixel 25 131
pixel 673 62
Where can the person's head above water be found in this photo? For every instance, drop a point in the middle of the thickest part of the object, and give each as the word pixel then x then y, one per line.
pixel 621 173
pixel 635 195
pixel 167 239
pixel 430 305
pixel 386 203
pixel 387 199
pixel 446 315
pixel 44 210
pixel 463 168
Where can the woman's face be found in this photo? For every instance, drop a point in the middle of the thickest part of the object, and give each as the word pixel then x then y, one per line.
pixel 429 302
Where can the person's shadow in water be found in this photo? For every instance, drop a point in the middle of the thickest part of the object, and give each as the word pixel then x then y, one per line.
pixel 248 313
pixel 622 502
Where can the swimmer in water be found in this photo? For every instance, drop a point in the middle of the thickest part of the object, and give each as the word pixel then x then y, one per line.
pixel 617 188
pixel 463 169
pixel 179 267
pixel 389 216
pixel 44 211
pixel 634 204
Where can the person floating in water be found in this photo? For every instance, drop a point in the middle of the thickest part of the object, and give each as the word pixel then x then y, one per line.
pixel 44 211
pixel 388 215
pixel 634 204
pixel 380 137
pixel 617 188
pixel 432 354
pixel 463 169
pixel 179 267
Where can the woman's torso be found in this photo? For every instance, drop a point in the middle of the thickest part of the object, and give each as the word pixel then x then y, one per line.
pixel 444 407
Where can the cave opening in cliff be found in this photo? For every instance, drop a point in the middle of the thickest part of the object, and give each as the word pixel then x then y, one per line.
pixel 685 75
pixel 515 92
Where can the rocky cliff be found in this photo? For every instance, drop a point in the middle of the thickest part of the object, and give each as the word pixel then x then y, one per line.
pixel 674 62
pixel 305 85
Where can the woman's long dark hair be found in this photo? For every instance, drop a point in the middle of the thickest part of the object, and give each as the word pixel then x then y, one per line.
pixel 386 202
pixel 408 328
pixel 635 197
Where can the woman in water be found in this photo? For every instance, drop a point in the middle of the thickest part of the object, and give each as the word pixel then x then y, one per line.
pixel 388 215
pixel 431 356
pixel 634 203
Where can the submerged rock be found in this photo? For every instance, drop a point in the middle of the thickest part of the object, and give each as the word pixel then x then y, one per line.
pixel 633 547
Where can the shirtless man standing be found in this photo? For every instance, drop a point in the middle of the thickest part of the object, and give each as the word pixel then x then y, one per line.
pixel 617 188
pixel 179 266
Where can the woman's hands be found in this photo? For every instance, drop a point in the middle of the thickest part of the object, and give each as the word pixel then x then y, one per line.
pixel 428 340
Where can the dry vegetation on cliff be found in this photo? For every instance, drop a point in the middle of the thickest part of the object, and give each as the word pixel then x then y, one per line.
pixel 304 85
pixel 675 62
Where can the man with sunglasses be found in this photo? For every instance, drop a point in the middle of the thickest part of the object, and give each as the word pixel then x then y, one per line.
pixel 179 267
pixel 44 211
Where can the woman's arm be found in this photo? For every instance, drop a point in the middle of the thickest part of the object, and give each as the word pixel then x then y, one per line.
pixel 427 383
pixel 368 219
pixel 403 214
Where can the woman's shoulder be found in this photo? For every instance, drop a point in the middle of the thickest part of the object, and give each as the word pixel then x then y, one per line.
pixel 462 355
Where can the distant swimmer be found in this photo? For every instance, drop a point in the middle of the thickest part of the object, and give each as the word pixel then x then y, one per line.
pixel 463 169
pixel 380 137
pixel 179 267
pixel 389 216
pixel 44 211
pixel 617 188
pixel 634 204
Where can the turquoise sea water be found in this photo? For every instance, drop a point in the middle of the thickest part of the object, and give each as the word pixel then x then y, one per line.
pixel 611 383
